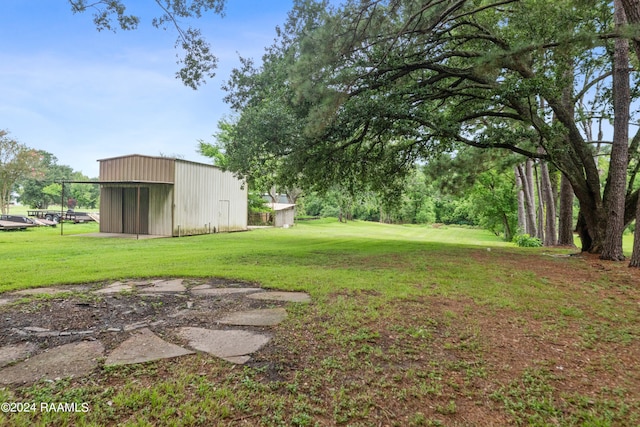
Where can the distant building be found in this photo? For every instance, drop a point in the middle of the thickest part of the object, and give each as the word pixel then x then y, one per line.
pixel 283 214
pixel 169 197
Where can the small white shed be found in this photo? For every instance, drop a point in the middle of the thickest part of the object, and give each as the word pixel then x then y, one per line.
pixel 169 197
pixel 283 214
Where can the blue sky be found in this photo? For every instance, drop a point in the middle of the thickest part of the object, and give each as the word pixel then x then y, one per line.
pixel 85 95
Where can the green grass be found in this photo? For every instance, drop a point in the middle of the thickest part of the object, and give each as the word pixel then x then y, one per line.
pixel 409 325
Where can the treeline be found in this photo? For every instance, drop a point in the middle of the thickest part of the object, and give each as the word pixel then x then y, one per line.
pixel 33 177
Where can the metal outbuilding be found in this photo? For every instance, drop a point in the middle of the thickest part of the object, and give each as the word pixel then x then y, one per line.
pixel 284 214
pixel 169 197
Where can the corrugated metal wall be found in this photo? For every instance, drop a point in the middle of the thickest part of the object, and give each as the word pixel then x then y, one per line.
pixel 119 209
pixel 160 210
pixel 137 168
pixel 110 209
pixel 207 200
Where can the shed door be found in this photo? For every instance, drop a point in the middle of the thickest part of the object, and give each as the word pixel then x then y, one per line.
pixel 132 215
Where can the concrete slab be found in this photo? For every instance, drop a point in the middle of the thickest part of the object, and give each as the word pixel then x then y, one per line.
pixel 114 288
pixel 13 353
pixel 69 360
pixel 144 346
pixel 282 296
pixel 261 317
pixel 232 345
pixel 165 286
pixel 208 290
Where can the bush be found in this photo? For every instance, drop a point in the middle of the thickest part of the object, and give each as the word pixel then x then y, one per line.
pixel 526 241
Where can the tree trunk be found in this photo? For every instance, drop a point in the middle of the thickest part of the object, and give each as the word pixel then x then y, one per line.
pixel 508 234
pixel 565 234
pixel 541 206
pixel 550 233
pixel 616 188
pixel 527 183
pixel 522 220
pixel 635 256
pixel 632 12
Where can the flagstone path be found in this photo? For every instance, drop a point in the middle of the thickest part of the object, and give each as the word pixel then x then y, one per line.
pixel 69 331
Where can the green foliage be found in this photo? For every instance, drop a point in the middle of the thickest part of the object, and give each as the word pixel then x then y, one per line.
pixel 17 162
pixel 198 61
pixel 526 241
pixel 257 203
pixel 494 202
pixel 357 95
pixel 43 189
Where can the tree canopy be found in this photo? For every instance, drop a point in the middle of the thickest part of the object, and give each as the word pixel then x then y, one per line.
pixel 363 92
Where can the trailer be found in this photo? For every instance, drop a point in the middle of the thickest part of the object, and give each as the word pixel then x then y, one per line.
pixel 15 222
pixel 56 216
pixel 48 215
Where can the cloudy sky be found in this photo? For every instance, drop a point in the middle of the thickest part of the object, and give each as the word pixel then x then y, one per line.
pixel 85 95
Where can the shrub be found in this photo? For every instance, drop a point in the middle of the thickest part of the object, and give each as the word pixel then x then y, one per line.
pixel 526 241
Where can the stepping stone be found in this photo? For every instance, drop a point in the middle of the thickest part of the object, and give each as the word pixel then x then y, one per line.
pixel 12 353
pixel 282 296
pixel 69 360
pixel 165 286
pixel 144 346
pixel 208 290
pixel 233 346
pixel 262 317
pixel 114 288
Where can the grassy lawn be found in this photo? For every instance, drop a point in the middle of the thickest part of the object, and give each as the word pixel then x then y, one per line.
pixel 409 325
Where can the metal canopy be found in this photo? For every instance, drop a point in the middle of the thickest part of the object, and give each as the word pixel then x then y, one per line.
pixel 137 184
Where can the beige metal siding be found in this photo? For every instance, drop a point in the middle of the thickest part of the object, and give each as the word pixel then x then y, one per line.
pixel 137 168
pixel 110 210
pixel 160 209
pixel 135 210
pixel 233 190
pixel 207 200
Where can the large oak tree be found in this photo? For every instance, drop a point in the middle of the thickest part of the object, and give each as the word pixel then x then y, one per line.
pixel 374 86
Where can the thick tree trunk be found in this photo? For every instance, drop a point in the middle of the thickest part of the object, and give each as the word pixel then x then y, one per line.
pixel 527 185
pixel 632 12
pixel 635 256
pixel 565 226
pixel 550 233
pixel 540 208
pixel 615 191
pixel 522 219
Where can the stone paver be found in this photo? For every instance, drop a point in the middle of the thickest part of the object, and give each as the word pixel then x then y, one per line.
pixel 80 358
pixel 208 290
pixel 114 288
pixel 144 346
pixel 165 286
pixel 234 346
pixel 282 296
pixel 12 353
pixel 261 317
pixel 69 360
